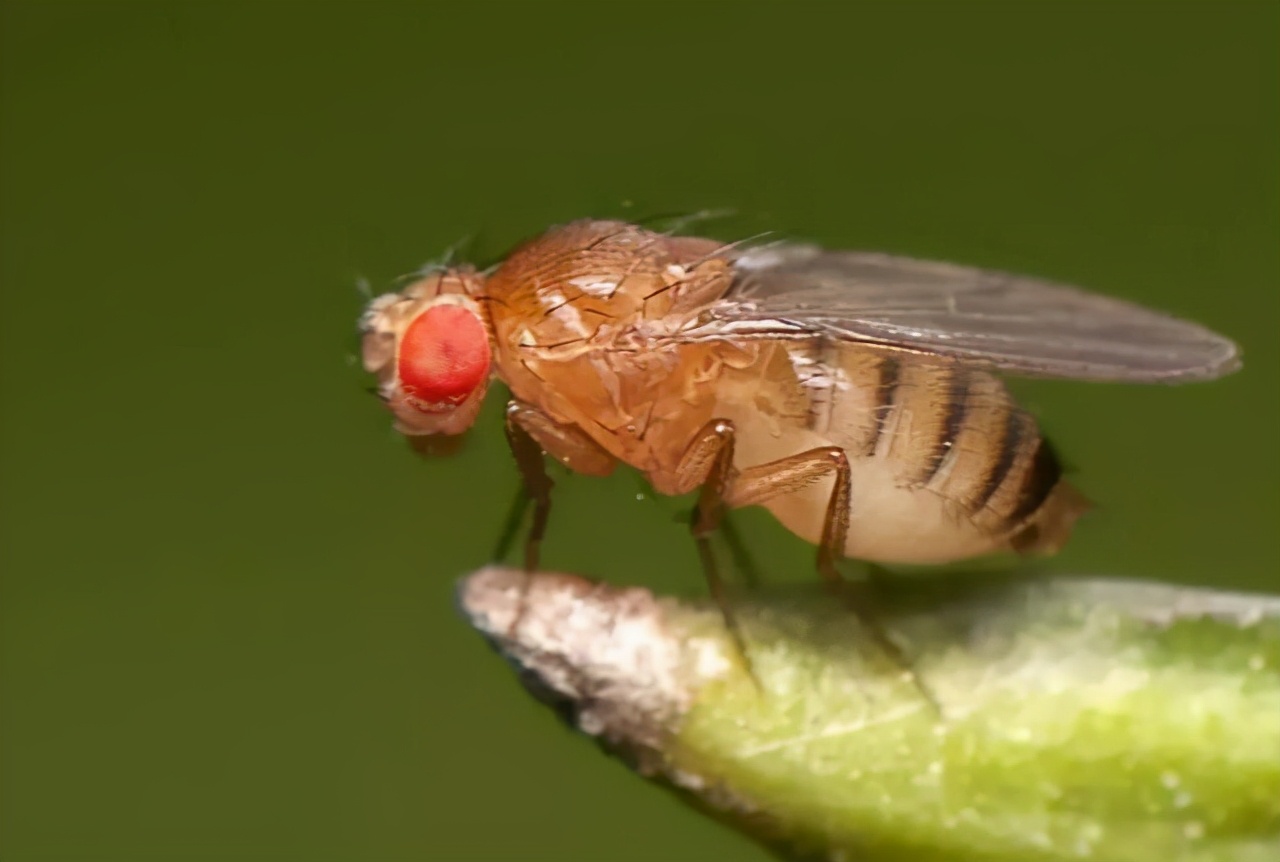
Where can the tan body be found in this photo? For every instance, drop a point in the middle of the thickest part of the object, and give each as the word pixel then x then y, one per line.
pixel 942 464
pixel 851 393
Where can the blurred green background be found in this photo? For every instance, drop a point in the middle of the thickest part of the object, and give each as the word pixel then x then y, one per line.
pixel 228 622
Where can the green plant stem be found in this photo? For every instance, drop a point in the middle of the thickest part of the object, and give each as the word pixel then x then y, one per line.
pixel 1079 719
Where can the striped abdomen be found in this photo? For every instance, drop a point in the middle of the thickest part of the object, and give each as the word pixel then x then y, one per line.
pixel 945 465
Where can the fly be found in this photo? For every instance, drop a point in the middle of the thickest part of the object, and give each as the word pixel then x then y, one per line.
pixel 857 396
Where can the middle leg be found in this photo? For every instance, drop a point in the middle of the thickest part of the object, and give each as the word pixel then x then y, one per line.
pixel 708 462
pixel 765 482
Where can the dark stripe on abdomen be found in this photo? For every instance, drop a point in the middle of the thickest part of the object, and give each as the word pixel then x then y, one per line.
pixel 822 398
pixel 886 392
pixel 1014 436
pixel 952 421
pixel 1038 482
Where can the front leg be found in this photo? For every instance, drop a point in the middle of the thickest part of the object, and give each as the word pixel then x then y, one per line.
pixel 532 434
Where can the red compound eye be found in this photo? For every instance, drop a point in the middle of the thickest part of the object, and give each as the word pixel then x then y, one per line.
pixel 444 356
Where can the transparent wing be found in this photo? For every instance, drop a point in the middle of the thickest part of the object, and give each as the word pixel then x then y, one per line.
pixel 1011 323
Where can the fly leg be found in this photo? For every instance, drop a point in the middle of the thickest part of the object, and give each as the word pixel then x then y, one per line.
pixel 511 526
pixel 535 487
pixel 708 462
pixel 739 552
pixel 763 482
pixel 531 434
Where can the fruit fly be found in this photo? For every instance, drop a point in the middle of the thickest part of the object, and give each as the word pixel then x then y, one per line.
pixel 857 396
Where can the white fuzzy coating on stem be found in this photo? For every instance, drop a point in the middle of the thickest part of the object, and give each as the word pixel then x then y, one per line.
pixel 607 651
